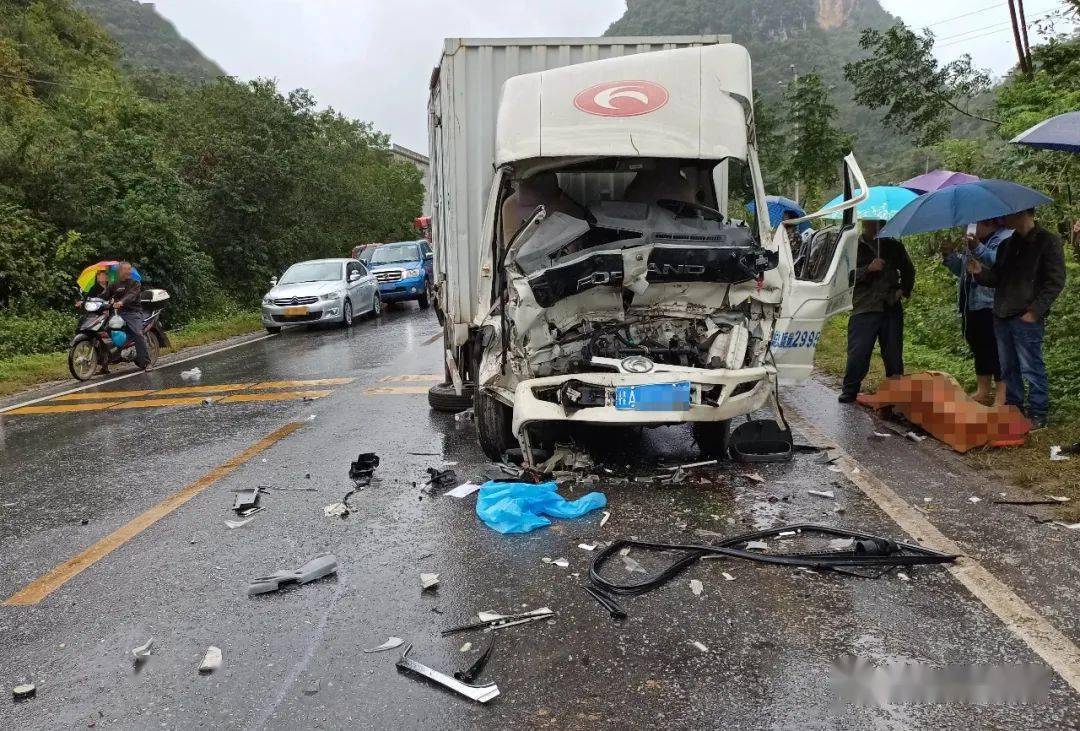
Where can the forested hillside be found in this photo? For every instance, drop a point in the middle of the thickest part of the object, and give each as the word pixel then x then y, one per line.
pixel 149 41
pixel 208 189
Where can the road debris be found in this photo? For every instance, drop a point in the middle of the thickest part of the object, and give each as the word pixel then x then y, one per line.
pixel 478 693
pixel 613 608
pixel 902 576
pixel 692 465
pixel 632 566
pixel 823 493
pixel 879 435
pixel 465 648
pixel 605 518
pixel 336 509
pixel 519 507
pixel 316 568
pixel 1057 456
pixel 441 479
pixel 230 524
pixel 23 692
pixel 566 457
pixel 471 673
pixel 464 417
pixel 363 468
pixel 463 490
pixel 491 621
pixel 757 546
pixel 699 646
pixel 194 375
pixel 313 687
pixel 752 476
pixel 1070 526
pixel 587 546
pixel 562 563
pixel 428 581
pixel 727 576
pixel 836 468
pixel 841 544
pixel 829 457
pixel 696 587
pixel 142 652
pixel 915 437
pixel 974 499
pixel 211 660
pixel 390 644
pixel 246 499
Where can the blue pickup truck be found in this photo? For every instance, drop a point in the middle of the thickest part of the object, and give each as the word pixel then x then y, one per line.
pixel 404 271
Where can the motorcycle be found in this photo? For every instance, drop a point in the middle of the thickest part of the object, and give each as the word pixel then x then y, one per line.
pixel 101 340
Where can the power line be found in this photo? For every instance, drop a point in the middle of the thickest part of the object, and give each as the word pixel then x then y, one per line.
pixel 995 25
pixel 965 15
pixel 975 38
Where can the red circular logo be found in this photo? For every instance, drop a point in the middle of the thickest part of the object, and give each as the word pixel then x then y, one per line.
pixel 622 98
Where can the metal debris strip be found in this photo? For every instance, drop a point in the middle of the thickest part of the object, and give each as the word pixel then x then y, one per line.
pixel 428 581
pixel 692 465
pixel 867 551
pixel 211 660
pixel 390 644
pixel 508 620
pixel 316 568
pixel 700 646
pixel 478 693
pixel 142 652
pixel 823 493
pixel 230 524
pixel 605 519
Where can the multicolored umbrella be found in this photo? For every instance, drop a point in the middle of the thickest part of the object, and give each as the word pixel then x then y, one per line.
pixel 936 180
pixel 881 204
pixel 89 275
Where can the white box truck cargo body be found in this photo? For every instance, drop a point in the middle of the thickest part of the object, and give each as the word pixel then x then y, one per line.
pixel 588 268
pixel 465 91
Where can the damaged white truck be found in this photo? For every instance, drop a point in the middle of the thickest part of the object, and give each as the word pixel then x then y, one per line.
pixel 592 263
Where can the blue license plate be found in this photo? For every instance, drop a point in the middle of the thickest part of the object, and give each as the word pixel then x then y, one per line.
pixel 654 397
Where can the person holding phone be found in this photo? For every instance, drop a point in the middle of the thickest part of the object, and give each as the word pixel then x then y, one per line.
pixel 975 303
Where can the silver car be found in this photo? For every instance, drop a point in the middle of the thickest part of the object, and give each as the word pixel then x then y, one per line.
pixel 321 290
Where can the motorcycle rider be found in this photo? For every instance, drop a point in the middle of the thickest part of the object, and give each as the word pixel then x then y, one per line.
pixel 124 296
pixel 98 288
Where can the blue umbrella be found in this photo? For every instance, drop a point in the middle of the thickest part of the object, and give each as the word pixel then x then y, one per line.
pixel 959 205
pixel 777 205
pixel 1057 133
pixel 881 204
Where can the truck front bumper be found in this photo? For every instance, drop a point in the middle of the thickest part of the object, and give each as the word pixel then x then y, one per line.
pixel 741 391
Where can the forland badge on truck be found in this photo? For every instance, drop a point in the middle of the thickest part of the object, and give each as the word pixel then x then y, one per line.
pixel 622 98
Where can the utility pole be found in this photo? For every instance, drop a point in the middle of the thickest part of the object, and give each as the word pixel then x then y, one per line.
pixel 795 84
pixel 1016 39
pixel 1024 34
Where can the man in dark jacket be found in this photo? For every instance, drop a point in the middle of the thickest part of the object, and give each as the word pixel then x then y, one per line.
pixel 1027 277
pixel 884 275
pixel 125 299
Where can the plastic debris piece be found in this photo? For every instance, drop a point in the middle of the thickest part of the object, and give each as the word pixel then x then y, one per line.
pixel 974 499
pixel 463 490
pixel 194 375
pixel 316 568
pixel 822 493
pixel 697 587
pixel 489 616
pixel 560 562
pixel 313 687
pixel 786 533
pixel 246 499
pixel 466 647
pixel 902 576
pixel 1059 498
pixel 1070 526
pixel 752 476
pixel 632 565
pixel 211 660
pixel 757 546
pixel 605 518
pixel 336 509
pixel 587 546
pixel 915 437
pixel 1056 455
pixel 699 646
pixel 880 435
pixel 519 507
pixel 727 576
pixel 238 523
pixel 390 644
pixel 249 511
pixel 428 581
pixel 835 468
pixel 24 691
pixel 841 544
pixel 142 652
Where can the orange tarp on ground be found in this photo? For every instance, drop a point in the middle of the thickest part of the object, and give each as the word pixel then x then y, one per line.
pixel 937 403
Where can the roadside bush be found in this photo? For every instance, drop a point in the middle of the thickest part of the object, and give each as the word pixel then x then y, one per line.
pixel 42 332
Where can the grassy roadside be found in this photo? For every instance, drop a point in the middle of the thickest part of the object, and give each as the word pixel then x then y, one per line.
pixel 1028 466
pixel 24 371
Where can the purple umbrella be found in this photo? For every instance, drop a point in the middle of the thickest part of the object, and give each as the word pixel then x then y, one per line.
pixel 936 180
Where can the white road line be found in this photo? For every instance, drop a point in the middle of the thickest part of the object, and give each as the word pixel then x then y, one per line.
pixel 1057 650
pixel 98 384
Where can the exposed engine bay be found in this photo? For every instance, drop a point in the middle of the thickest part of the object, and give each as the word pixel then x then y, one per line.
pixel 672 281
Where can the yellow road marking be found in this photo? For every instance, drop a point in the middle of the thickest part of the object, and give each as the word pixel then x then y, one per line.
pixel 98 406
pixel 1018 616
pixel 428 377
pixel 298 384
pixel 273 396
pixel 56 577
pixel 99 395
pixel 389 390
pixel 150 403
pixel 203 389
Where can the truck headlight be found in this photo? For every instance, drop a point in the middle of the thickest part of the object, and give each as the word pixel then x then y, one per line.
pixel 412 272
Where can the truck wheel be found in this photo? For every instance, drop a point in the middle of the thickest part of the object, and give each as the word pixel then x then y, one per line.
pixel 712 438
pixel 422 300
pixel 444 398
pixel 494 421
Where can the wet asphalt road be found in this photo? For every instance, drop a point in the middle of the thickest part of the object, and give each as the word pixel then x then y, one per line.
pixel 295 659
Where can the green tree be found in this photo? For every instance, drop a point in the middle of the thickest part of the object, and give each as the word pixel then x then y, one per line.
pixel 816 146
pixel 921 97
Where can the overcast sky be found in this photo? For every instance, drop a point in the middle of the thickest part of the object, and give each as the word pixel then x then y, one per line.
pixel 371 58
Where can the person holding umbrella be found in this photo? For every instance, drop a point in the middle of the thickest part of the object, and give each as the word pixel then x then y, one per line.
pixel 884 276
pixel 1027 276
pixel 976 302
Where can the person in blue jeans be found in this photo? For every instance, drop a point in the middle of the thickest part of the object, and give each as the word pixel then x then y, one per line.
pixel 1027 276
pixel 976 306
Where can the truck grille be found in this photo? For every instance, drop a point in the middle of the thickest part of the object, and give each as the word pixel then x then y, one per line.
pixel 291 301
pixel 389 275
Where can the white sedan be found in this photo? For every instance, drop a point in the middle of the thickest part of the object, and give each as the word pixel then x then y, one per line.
pixel 321 290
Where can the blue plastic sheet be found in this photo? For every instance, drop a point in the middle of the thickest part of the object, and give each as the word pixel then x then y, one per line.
pixel 518 507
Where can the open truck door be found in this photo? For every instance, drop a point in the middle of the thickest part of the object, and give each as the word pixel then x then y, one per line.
pixel 819 283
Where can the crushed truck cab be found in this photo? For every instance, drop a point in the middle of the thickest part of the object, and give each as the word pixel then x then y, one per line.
pixel 612 284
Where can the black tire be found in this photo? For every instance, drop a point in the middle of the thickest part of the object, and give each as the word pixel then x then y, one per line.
pixel 376 306
pixel 85 364
pixel 494 422
pixel 443 398
pixel 346 314
pixel 273 330
pixel 422 300
pixel 712 438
